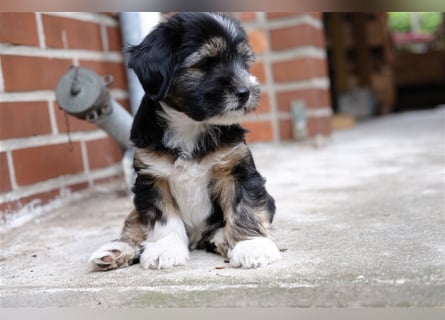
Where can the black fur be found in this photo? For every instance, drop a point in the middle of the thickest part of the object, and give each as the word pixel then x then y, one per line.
pixel 145 205
pixel 158 62
pixel 214 221
pixel 149 128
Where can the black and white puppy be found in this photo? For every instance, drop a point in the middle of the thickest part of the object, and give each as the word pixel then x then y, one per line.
pixel 197 186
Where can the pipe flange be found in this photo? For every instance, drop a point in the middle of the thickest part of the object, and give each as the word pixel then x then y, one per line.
pixel 81 92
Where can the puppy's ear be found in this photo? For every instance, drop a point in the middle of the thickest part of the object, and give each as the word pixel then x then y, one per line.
pixel 154 61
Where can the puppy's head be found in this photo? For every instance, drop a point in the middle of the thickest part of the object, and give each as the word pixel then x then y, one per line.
pixel 198 64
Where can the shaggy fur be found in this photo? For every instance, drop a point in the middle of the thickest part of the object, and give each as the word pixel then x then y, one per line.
pixel 197 186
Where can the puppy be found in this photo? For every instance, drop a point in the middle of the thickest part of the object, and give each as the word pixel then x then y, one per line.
pixel 197 186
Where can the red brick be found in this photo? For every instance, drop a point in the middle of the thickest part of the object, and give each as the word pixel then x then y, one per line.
pixel 18 28
pixel 125 103
pixel 5 181
pixel 264 105
pixel 317 15
pixel 44 197
pixel 258 131
pixel 286 132
pixel 116 69
pixel 295 36
pixel 246 16
pixel 114 39
pixel 257 69
pixel 282 15
pixel 24 119
pixel 38 164
pixel 311 97
pixel 22 73
pixel 77 34
pixel 103 153
pixel 257 41
pixel 299 69
pixel 13 206
pixel 74 124
pixel 319 125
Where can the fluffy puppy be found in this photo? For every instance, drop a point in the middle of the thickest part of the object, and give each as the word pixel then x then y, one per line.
pixel 197 186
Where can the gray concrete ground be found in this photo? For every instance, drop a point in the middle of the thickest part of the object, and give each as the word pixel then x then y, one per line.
pixel 360 222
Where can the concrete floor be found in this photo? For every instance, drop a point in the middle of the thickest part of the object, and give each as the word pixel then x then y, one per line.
pixel 360 222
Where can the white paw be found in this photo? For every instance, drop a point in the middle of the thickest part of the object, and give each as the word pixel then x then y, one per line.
pixel 112 255
pixel 254 253
pixel 164 253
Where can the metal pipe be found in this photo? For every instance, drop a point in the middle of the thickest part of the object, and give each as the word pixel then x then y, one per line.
pixel 131 35
pixel 84 94
pixel 134 27
pixel 117 124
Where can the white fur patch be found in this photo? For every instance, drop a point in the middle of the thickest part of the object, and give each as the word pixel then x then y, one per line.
pixel 229 117
pixel 183 132
pixel 188 181
pixel 253 80
pixel 218 237
pixel 254 253
pixel 117 253
pixel 165 253
pixel 166 245
pixel 189 187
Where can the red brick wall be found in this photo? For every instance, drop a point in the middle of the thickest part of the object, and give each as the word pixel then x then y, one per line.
pixel 36 49
pixel 291 65
pixel 36 160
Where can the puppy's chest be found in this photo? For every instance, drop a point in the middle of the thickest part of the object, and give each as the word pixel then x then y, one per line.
pixel 189 185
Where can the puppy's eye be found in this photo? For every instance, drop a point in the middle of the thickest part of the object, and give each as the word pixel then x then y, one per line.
pixel 248 60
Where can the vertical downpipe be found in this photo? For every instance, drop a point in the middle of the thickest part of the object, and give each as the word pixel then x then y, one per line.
pixel 134 27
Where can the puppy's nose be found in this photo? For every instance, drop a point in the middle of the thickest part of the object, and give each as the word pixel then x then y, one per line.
pixel 243 94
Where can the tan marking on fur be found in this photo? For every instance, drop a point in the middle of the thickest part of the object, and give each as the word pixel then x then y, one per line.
pixel 167 202
pixel 231 158
pixel 222 249
pixel 225 187
pixel 211 48
pixel 133 231
pixel 145 160
pixel 152 163
pixel 214 47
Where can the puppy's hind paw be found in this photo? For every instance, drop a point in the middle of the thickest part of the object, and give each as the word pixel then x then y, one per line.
pixel 112 255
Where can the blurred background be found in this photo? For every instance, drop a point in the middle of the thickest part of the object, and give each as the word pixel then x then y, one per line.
pixel 319 73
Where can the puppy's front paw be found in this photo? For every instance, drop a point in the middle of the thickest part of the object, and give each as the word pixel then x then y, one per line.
pixel 164 253
pixel 112 255
pixel 254 253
